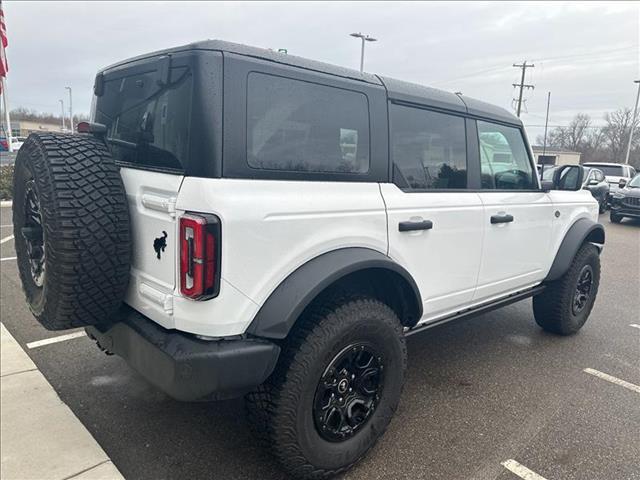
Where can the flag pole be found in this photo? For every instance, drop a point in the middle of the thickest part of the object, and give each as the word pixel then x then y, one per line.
pixel 7 118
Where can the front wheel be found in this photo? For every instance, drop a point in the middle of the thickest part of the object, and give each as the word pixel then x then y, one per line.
pixel 335 389
pixel 565 304
pixel 614 217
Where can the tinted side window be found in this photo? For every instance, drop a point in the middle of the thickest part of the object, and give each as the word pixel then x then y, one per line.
pixel 300 126
pixel 428 149
pixel 504 160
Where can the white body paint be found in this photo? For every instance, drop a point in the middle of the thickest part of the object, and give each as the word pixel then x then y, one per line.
pixel 272 227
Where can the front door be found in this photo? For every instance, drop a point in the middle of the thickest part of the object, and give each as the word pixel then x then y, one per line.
pixel 517 217
pixel 434 221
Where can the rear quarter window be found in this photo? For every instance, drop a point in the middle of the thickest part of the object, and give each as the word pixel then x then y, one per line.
pixel 294 125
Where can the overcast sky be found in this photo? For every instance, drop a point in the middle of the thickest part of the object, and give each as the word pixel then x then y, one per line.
pixel 587 54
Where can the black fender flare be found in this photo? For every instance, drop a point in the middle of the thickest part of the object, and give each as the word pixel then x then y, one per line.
pixel 287 302
pixel 583 230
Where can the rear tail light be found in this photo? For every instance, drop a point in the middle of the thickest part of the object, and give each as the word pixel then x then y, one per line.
pixel 199 256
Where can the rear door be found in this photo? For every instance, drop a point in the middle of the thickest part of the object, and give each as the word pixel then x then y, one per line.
pixel 434 219
pixel 146 107
pixel 518 216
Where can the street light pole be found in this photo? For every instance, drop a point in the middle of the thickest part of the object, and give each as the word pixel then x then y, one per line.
pixel 70 109
pixel 364 38
pixel 62 112
pixel 633 123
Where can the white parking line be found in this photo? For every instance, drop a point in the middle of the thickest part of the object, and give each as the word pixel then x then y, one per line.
pixel 6 239
pixel 521 470
pixel 6 225
pixel 634 325
pixel 61 338
pixel 605 376
pixel 7 258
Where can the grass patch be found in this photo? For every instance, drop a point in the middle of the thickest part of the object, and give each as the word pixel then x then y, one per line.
pixel 6 182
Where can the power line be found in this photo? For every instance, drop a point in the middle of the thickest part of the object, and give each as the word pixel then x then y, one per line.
pixel 499 67
pixel 522 85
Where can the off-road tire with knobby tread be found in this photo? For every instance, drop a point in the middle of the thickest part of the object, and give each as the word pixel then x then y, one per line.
pixel 553 307
pixel 281 409
pixel 85 228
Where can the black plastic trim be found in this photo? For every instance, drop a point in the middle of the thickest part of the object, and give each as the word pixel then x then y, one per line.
pixel 287 302
pixel 183 366
pixel 574 238
pixel 409 226
pixel 479 310
pixel 501 218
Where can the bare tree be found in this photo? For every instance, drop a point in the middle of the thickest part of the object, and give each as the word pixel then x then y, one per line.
pixel 616 133
pixel 573 136
pixel 577 131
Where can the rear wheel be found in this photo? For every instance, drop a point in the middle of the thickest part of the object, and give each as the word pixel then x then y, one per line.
pixel 565 304
pixel 335 389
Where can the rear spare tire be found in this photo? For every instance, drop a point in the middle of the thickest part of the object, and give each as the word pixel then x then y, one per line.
pixel 71 229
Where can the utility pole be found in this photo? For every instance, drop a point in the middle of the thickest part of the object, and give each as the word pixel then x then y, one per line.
pixel 364 38
pixel 546 124
pixel 70 109
pixel 633 123
pixel 62 112
pixel 524 65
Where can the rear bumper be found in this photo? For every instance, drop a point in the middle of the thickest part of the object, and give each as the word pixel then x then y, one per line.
pixel 183 366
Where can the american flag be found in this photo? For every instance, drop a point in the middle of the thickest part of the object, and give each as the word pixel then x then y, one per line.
pixel 4 66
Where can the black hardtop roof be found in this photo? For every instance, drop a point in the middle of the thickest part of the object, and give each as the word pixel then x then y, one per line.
pixel 396 89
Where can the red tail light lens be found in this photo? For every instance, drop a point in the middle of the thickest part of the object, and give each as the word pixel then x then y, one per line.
pixel 199 256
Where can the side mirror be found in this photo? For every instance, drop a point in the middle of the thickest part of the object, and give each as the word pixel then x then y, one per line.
pixel 568 177
pixel 593 181
pixel 622 183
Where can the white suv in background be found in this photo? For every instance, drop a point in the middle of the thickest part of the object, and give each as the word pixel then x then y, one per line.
pixel 614 173
pixel 236 221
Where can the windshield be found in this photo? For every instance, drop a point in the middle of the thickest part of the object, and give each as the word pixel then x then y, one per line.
pixel 635 182
pixel 611 170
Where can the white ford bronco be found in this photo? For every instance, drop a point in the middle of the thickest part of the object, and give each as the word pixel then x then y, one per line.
pixel 238 222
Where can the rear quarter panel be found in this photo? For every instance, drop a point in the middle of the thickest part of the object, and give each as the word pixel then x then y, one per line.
pixel 269 229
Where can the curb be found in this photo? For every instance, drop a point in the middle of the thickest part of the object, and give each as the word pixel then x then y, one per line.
pixel 41 437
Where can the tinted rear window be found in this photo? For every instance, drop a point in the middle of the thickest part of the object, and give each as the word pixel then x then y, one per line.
pixel 147 121
pixel 294 125
pixel 612 170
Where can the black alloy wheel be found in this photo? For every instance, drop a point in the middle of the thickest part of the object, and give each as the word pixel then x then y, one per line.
pixel 33 234
pixel 348 392
pixel 582 293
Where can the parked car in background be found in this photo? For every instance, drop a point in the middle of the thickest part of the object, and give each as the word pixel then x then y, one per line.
pixel 16 143
pixel 4 145
pixel 625 201
pixel 613 172
pixel 594 181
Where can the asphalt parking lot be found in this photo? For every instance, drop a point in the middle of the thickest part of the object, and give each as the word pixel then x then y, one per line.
pixel 478 393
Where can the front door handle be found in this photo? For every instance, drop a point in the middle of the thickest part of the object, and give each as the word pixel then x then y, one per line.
pixel 409 226
pixel 502 218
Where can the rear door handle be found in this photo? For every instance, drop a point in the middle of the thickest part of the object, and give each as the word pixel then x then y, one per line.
pixel 409 226
pixel 502 218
